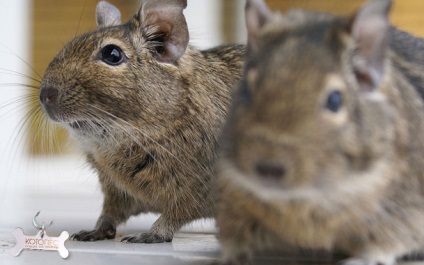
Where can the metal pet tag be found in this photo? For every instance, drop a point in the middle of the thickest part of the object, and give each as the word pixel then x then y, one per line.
pixel 41 241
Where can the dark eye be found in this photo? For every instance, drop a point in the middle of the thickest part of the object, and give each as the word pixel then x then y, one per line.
pixel 160 50
pixel 334 101
pixel 112 55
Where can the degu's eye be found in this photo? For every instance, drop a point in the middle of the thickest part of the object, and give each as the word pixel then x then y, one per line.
pixel 334 101
pixel 112 55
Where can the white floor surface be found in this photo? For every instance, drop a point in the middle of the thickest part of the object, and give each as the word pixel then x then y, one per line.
pixel 67 192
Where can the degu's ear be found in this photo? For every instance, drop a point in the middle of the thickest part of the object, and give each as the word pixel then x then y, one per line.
pixel 257 15
pixel 107 15
pixel 370 30
pixel 165 29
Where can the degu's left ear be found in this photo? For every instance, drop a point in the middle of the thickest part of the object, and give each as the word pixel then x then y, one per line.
pixel 370 30
pixel 107 15
pixel 257 15
pixel 165 28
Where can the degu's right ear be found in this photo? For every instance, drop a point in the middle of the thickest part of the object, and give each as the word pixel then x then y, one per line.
pixel 164 28
pixel 257 15
pixel 107 15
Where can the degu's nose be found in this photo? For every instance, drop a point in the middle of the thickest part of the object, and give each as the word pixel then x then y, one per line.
pixel 48 96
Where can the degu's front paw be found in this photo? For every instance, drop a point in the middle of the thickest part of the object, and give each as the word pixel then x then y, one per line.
pixel 94 235
pixel 148 238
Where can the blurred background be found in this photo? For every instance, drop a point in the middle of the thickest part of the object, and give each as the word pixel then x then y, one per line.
pixel 40 169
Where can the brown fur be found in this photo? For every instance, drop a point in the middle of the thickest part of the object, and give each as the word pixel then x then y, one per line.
pixel 149 128
pixel 350 181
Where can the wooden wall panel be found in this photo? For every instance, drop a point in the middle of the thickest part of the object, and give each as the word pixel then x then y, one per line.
pixel 55 22
pixel 406 14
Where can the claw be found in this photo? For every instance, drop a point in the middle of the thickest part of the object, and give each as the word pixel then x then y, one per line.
pixel 148 238
pixel 94 235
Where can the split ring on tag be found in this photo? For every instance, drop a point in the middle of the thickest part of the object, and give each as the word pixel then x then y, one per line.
pixel 40 227
pixel 41 241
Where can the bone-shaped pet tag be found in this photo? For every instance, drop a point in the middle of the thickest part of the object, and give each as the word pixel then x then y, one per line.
pixel 41 241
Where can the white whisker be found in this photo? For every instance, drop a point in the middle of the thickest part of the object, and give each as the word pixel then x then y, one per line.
pixel 145 134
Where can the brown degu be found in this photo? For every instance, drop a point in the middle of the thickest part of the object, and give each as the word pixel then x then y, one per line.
pixel 147 109
pixel 324 144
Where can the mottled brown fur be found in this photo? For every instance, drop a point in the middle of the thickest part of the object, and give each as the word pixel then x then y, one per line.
pixel 350 180
pixel 149 129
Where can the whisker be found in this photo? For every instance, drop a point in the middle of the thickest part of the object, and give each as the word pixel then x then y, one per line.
pixel 34 115
pixel 54 142
pixel 40 124
pixel 19 134
pixel 126 132
pixel 144 133
pixel 134 138
pixel 27 119
pixel 80 19
pixel 19 104
pixel 22 60
pixel 15 73
pixel 155 142
pixel 105 126
pixel 37 132
pixel 19 85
